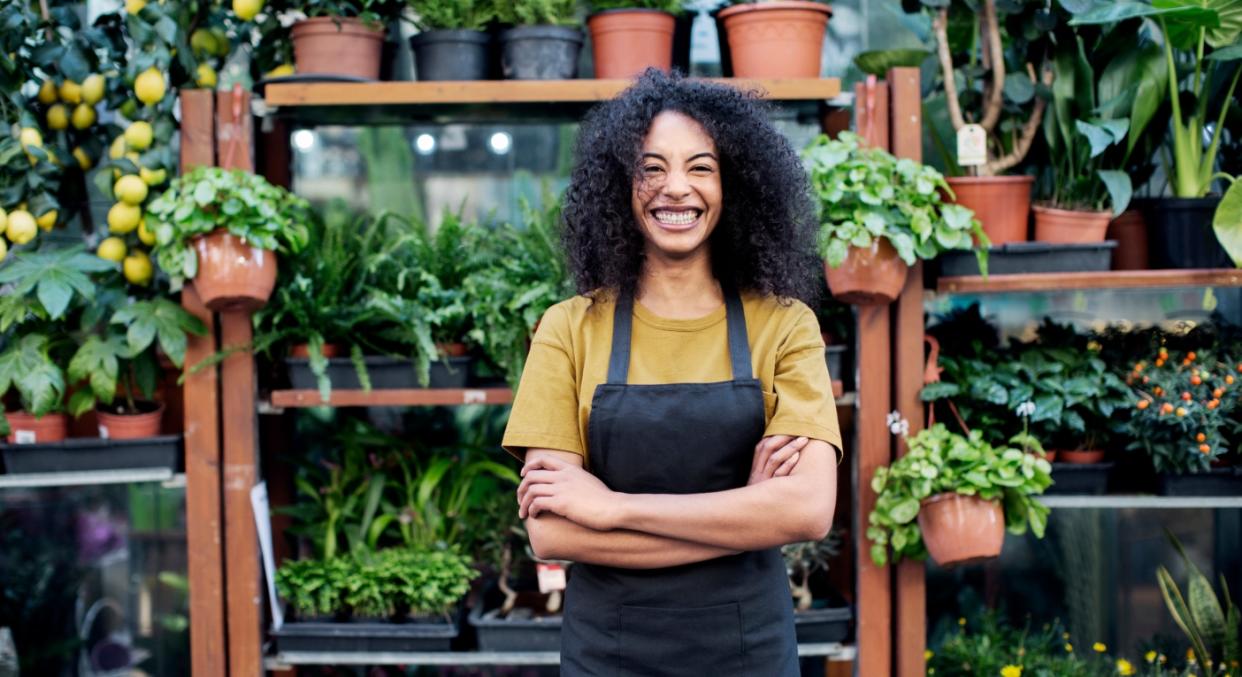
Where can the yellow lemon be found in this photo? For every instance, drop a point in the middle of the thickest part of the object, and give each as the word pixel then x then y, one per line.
pixel 135 6
pixel 283 70
pixel 206 76
pixel 137 268
pixel 83 116
pixel 152 177
pixel 48 220
pixel 47 92
pixel 203 41
pixel 247 9
pixel 71 92
pixel 138 135
pixel 93 88
pixel 130 189
pixel 29 136
pixel 57 117
pixel 4 249
pixel 84 160
pixel 123 218
pixel 22 227
pixel 112 249
pixel 145 235
pixel 149 86
pixel 117 150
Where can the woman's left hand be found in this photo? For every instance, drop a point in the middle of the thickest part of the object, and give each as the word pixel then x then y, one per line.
pixel 552 485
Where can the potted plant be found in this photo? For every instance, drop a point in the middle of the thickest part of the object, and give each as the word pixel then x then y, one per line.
pixel 775 38
pixel 826 619
pixel 630 36
pixel 452 43
pixel 953 497
pixel 337 37
pixel 879 215
pixel 222 229
pixel 543 43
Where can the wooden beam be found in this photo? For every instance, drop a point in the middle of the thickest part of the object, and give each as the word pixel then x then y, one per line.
pixel 874 444
pixel 1108 279
pixel 393 397
pixel 871 113
pixel 234 130
pixel 198 134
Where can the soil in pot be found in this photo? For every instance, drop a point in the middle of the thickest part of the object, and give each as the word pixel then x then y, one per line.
pixel 1130 232
pixel 540 52
pixel 454 349
pixel 1069 226
pixel 961 529
pixel 1180 234
pixel 26 428
pixel 868 276
pixel 117 424
pixel 337 46
pixel 626 42
pixel 450 55
pixel 1001 203
pixel 1080 456
pixel 776 39
pixel 302 350
pixel 233 275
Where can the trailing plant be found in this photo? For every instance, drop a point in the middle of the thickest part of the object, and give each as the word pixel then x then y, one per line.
pixel 473 15
pixel 670 6
pixel 802 560
pixel 1214 629
pixel 939 461
pixel 538 12
pixel 866 194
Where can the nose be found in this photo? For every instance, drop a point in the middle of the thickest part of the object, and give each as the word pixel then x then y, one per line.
pixel 676 184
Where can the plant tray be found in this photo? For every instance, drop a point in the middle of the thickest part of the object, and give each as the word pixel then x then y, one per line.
pixel 93 453
pixel 1081 479
pixel 820 626
pixel 525 634
pixel 385 373
pixel 1031 257
pixel 362 637
pixel 1215 482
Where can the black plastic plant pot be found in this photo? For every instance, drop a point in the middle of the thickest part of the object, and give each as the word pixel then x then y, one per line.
pixel 80 454
pixel 821 626
pixel 1180 234
pixel 1031 257
pixel 540 52
pixel 536 633
pixel 450 55
pixel 1081 479
pixel 1215 482
pixel 385 373
pixel 366 637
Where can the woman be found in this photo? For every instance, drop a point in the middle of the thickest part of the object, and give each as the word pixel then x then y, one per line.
pixel 676 419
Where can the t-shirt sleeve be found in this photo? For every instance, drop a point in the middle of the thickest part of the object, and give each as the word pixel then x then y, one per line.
pixel 804 402
pixel 545 407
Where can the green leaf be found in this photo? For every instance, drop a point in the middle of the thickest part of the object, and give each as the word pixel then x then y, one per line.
pixel 1227 223
pixel 97 361
pixel 939 390
pixel 1018 88
pixel 1227 54
pixel 879 62
pixel 1119 189
pixel 905 511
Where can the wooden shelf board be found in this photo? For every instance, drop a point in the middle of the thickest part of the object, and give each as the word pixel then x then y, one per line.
pixel 1063 501
pixel 1114 279
pixel 411 397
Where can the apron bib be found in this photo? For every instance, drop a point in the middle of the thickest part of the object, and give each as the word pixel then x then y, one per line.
pixel 730 616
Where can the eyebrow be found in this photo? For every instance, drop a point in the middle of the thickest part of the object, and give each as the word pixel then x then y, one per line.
pixel 696 156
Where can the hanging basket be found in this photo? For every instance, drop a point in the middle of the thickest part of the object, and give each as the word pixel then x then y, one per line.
pixel 961 529
pixel 233 275
pixel 869 276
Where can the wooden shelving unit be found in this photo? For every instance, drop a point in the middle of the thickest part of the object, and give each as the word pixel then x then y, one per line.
pixel 1113 279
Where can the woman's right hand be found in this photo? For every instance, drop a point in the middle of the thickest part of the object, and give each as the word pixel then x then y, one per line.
pixel 775 456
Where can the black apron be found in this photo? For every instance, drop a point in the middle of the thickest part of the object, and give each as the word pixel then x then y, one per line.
pixel 723 617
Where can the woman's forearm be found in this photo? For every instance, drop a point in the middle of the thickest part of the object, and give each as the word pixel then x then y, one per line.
pixel 554 537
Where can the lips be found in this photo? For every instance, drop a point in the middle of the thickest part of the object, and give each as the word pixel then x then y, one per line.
pixel 679 218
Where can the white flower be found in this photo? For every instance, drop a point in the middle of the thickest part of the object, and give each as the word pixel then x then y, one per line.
pixel 898 425
pixel 1027 408
pixel 894 416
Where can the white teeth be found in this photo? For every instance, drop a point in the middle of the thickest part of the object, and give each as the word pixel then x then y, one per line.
pixel 680 218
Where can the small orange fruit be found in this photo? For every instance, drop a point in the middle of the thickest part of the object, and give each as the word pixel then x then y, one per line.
pixel 1200 437
pixel 1145 379
pixel 1229 379
pixel 1195 380
pixel 1139 367
pixel 1159 391
pixel 1143 404
pixel 1181 411
pixel 1213 404
pixel 1191 356
pixel 1205 449
pixel 1186 397
pixel 1166 407
pixel 1218 393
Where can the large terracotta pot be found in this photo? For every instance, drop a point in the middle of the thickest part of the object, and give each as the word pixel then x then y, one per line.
pixel 961 529
pixel 1070 226
pixel 870 276
pixel 626 42
pixel 337 46
pixel 1001 203
pixel 1130 232
pixel 25 428
pixel 130 426
pixel 232 275
pixel 776 39
pixel 1080 457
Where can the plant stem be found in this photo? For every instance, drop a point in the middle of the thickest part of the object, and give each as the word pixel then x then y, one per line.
pixel 129 388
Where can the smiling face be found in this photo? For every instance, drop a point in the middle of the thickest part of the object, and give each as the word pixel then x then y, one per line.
pixel 677 194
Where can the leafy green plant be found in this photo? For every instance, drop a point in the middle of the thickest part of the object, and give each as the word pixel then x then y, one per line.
pixel 538 12
pixel 29 367
pixel 804 559
pixel 370 11
pixel 866 194
pixel 471 15
pixel 1227 221
pixel 939 461
pixel 1214 629
pixel 211 198
pixel 671 6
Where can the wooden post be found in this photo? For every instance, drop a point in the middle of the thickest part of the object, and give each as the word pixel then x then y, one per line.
pixel 205 556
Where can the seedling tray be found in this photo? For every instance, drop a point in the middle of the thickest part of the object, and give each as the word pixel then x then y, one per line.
pixel 1081 479
pixel 365 636
pixel 1215 482
pixel 386 373
pixel 819 626
pixel 93 453
pixel 540 633
pixel 1031 257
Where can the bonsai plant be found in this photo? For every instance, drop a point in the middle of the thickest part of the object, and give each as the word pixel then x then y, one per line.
pixel 775 38
pixel 337 37
pixel 826 618
pixel 630 36
pixel 962 491
pixel 879 215
pixel 452 44
pixel 544 41
pixel 222 229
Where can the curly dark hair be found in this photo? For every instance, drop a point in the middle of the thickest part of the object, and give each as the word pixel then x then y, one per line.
pixel 764 242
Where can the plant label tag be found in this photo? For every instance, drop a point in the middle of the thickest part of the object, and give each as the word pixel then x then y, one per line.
pixel 551 577
pixel 103 432
pixel 24 437
pixel 972 146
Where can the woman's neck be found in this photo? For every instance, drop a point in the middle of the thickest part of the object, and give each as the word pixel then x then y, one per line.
pixel 679 289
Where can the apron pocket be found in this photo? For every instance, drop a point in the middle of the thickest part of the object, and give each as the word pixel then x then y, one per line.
pixel 671 641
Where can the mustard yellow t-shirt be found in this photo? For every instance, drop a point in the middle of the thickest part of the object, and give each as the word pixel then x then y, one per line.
pixel 569 357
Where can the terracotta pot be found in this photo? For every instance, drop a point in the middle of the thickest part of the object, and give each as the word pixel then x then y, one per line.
pixel 302 350
pixel 130 426
pixel 776 39
pixel 25 428
pixel 871 276
pixel 337 46
pixel 232 275
pixel 1130 232
pixel 455 349
pixel 626 42
pixel 1001 203
pixel 1048 456
pixel 1080 457
pixel 961 529
pixel 1069 226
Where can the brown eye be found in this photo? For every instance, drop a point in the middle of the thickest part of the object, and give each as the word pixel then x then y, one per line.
pixel 652 169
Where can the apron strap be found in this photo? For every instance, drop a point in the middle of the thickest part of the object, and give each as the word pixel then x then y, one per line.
pixel 622 327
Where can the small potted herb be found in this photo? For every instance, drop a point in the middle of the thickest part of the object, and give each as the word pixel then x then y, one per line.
pixel 222 229
pixel 544 41
pixel 630 36
pixel 879 215
pixel 452 43
pixel 336 37
pixel 775 38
